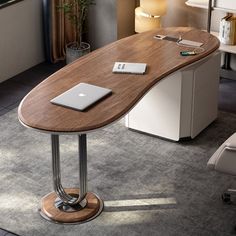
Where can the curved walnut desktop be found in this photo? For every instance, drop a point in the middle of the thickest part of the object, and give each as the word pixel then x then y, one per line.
pixel 36 111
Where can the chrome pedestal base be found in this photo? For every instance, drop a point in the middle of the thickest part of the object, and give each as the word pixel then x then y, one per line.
pixel 70 206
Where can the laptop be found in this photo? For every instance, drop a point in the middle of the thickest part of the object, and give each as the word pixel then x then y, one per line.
pixel 81 96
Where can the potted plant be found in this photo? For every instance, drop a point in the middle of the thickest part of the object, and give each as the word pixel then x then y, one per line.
pixel 77 11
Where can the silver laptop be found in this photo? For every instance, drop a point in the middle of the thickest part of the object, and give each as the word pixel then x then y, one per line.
pixel 81 96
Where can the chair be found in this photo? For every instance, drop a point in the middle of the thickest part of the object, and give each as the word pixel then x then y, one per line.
pixel 224 160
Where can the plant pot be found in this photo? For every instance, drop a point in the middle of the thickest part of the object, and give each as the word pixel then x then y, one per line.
pixel 73 52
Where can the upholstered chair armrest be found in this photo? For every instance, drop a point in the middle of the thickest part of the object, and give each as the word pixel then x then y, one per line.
pixel 224 159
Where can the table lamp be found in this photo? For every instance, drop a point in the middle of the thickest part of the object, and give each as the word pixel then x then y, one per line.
pixel 148 15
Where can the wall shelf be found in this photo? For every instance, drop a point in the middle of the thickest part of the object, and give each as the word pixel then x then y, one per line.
pixel 224 47
pixel 202 5
pixel 195 4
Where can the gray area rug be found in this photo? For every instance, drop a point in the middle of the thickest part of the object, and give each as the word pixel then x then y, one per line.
pixel 122 165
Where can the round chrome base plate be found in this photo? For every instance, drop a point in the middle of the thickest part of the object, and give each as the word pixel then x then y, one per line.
pixel 51 213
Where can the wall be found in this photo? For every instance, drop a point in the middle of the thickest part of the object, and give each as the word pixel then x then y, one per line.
pixel 110 20
pixel 125 18
pixel 102 23
pixel 21 44
pixel 177 14
pixel 198 18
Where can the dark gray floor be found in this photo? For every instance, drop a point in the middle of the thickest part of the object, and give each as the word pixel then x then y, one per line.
pixel 6 233
pixel 227 95
pixel 14 89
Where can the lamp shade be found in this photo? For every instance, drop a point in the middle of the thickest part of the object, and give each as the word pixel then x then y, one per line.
pixel 144 22
pixel 154 7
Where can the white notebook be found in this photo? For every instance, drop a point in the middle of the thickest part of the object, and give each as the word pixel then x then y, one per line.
pixel 129 68
pixel 81 96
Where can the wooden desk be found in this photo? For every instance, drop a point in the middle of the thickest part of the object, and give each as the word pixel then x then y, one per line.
pixel 36 111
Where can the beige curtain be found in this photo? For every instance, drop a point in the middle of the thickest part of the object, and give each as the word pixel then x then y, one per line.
pixel 59 29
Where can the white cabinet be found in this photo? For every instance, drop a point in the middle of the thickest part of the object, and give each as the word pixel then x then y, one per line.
pixel 182 104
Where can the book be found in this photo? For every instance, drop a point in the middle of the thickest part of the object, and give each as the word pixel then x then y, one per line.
pixel 129 68
pixel 227 32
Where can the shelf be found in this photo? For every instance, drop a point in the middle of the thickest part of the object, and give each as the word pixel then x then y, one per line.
pixel 221 5
pixel 204 5
pixel 225 9
pixel 224 47
pixel 198 5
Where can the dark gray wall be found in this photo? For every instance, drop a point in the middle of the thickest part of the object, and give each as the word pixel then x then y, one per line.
pixel 110 20
pixel 102 23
